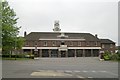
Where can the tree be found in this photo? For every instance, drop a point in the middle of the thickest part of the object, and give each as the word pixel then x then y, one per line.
pixel 19 42
pixel 9 28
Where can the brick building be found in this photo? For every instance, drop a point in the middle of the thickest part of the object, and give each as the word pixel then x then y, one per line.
pixel 65 44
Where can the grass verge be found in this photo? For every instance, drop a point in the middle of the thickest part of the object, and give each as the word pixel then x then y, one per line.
pixel 16 59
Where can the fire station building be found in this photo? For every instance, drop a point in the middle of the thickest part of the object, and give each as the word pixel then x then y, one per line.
pixel 65 44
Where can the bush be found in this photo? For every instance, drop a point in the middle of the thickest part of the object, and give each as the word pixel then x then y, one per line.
pixel 5 55
pixel 13 55
pixel 20 56
pixel 114 57
pixel 29 55
pixel 118 53
pixel 107 56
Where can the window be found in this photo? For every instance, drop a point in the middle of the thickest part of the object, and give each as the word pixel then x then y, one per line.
pixel 111 46
pixel 35 43
pixel 45 43
pixel 71 43
pixel 87 43
pixel 53 43
pixel 79 43
pixel 62 43
pixel 26 44
pixel 95 43
pixel 111 51
pixel 103 46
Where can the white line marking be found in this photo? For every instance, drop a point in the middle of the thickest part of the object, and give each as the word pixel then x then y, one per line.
pixel 93 71
pixel 60 70
pixel 85 71
pixel 102 71
pixel 90 77
pixel 112 73
pixel 80 76
pixel 67 71
pixel 41 70
pixel 77 71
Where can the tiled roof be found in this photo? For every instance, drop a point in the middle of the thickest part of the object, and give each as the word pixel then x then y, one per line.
pixel 53 35
pixel 106 41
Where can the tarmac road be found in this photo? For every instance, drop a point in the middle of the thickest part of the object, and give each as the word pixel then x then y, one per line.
pixel 82 67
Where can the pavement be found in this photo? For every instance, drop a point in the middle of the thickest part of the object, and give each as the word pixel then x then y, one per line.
pixel 80 67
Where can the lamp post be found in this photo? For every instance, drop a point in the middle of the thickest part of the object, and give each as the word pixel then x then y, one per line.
pixel 36 50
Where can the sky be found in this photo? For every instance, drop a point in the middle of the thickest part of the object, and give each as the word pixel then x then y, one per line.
pixel 84 16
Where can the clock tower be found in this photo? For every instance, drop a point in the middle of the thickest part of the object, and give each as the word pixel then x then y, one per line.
pixel 56 26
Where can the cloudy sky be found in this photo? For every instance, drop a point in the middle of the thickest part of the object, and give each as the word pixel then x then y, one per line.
pixel 91 16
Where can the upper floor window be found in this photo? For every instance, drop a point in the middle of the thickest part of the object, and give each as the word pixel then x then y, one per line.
pixel 87 43
pixel 27 44
pixel 71 43
pixel 79 43
pixel 103 46
pixel 62 43
pixel 111 45
pixel 95 43
pixel 45 43
pixel 35 43
pixel 111 51
pixel 53 43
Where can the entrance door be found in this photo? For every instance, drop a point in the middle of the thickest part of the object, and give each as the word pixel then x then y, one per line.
pixel 63 53
pixel 54 53
pixel 79 53
pixel 71 53
pixel 45 53
pixel 87 53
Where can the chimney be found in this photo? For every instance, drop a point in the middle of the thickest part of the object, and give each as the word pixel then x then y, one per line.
pixel 25 33
pixel 96 35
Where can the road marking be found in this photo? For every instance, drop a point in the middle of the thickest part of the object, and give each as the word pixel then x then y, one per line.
pixel 102 71
pixel 93 71
pixel 68 71
pixel 80 76
pixel 77 71
pixel 85 71
pixel 90 77
pixel 112 73
pixel 60 70
pixel 49 73
pixel 41 70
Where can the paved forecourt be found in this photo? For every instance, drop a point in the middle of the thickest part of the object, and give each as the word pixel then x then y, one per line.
pixel 82 67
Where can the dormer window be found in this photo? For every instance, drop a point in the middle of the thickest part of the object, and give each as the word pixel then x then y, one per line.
pixel 62 35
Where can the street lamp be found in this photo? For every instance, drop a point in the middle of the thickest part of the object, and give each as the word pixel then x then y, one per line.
pixel 36 50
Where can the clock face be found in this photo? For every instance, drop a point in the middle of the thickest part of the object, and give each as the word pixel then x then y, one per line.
pixel 57 28
pixel 56 24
